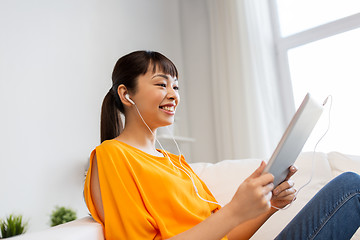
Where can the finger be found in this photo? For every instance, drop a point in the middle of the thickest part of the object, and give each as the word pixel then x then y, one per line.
pixel 258 171
pixel 268 188
pixel 264 179
pixel 286 193
pixel 287 199
pixel 268 196
pixel 292 170
pixel 283 186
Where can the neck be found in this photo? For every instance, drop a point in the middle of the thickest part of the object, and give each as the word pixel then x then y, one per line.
pixel 139 136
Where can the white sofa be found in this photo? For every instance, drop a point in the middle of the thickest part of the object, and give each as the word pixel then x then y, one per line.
pixel 223 179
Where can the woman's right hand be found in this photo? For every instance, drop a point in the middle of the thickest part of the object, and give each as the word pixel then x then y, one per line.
pixel 253 196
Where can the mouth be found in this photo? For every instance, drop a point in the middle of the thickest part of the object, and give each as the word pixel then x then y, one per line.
pixel 168 108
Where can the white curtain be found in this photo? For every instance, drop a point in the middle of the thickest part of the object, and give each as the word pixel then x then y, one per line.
pixel 247 102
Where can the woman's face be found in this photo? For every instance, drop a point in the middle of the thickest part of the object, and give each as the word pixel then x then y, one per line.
pixel 156 98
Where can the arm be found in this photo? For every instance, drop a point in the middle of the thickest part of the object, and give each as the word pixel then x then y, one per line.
pixel 251 200
pixel 247 229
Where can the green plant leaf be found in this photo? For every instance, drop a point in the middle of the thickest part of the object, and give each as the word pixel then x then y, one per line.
pixel 12 226
pixel 62 215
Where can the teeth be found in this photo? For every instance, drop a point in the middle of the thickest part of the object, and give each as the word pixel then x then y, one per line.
pixel 168 108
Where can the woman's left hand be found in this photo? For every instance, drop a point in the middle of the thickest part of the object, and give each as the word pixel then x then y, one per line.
pixel 284 193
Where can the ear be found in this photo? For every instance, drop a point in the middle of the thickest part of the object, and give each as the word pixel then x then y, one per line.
pixel 122 91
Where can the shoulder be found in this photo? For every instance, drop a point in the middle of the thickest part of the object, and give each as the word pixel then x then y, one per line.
pixel 116 153
pixel 109 150
pixel 110 147
pixel 107 144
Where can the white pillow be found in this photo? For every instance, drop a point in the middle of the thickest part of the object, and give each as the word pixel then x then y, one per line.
pixel 223 178
pixel 342 163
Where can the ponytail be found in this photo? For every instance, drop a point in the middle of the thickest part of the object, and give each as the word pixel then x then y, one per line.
pixel 111 125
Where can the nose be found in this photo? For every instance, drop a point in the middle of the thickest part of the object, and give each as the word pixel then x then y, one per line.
pixel 172 94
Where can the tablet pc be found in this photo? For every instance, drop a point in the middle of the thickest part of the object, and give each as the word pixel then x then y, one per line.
pixel 294 139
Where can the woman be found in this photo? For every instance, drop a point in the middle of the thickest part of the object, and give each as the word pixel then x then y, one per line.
pixel 139 192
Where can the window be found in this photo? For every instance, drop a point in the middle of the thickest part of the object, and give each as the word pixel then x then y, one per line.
pixel 318 49
pixel 299 15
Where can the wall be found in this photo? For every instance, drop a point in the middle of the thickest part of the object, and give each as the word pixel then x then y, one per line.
pixel 55 68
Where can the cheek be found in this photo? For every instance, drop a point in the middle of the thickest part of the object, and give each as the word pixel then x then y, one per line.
pixel 152 98
pixel 157 96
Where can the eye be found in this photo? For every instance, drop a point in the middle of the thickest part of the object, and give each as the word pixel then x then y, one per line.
pixel 176 88
pixel 161 84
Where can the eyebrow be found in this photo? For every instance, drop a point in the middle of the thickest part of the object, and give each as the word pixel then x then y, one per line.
pixel 164 76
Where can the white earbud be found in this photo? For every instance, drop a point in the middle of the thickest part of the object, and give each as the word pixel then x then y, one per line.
pixel 128 98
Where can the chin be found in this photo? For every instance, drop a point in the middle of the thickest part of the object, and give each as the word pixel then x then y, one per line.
pixel 167 123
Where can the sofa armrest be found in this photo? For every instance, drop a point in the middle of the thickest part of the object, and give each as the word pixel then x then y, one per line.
pixel 82 229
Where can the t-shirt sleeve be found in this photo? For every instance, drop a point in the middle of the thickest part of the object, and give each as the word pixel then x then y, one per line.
pixel 87 192
pixel 126 216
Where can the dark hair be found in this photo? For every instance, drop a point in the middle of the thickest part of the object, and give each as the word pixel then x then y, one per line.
pixel 126 71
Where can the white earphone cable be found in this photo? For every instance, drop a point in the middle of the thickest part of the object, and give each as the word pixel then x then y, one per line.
pixel 168 157
pixel 188 173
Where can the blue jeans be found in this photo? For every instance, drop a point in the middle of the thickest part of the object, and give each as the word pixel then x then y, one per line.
pixel 333 213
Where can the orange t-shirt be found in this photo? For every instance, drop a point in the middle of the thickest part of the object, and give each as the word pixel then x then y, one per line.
pixel 144 196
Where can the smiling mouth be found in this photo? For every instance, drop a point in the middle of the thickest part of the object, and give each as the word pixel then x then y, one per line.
pixel 168 108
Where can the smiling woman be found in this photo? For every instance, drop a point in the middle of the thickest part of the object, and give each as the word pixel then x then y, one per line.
pixel 145 91
pixel 139 192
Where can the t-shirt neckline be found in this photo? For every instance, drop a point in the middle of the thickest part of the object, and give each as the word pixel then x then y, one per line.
pixel 143 152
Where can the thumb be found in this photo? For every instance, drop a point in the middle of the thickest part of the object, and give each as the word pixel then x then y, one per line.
pixel 258 171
